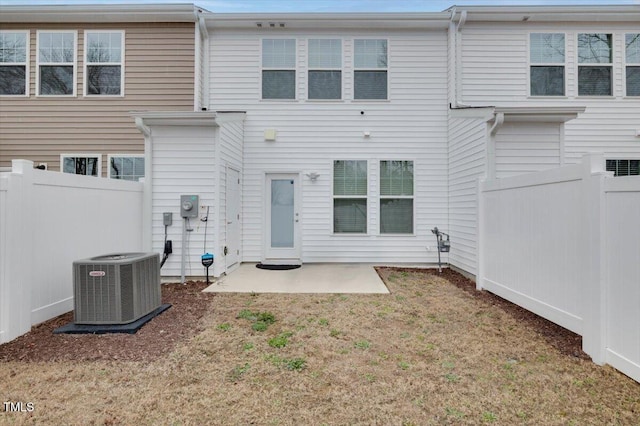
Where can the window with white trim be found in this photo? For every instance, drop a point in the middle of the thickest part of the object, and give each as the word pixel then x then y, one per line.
pixel 350 197
pixel 632 60
pixel 396 197
pixel 104 68
pixel 624 167
pixel 278 69
pixel 595 64
pixel 325 69
pixel 547 64
pixel 370 65
pixel 56 60
pixel 14 66
pixel 126 167
pixel 81 164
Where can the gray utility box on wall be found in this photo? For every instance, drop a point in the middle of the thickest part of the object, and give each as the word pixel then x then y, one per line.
pixel 116 288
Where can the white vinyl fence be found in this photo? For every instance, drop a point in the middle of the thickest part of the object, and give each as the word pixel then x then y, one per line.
pixel 48 220
pixel 565 244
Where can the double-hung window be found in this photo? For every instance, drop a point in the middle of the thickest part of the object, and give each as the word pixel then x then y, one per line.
pixel 547 59
pixel 632 58
pixel 13 62
pixel 104 55
pixel 278 69
pixel 126 167
pixel 624 167
pixel 325 69
pixel 370 65
pixel 396 197
pixel 350 197
pixel 595 64
pixel 56 61
pixel 81 164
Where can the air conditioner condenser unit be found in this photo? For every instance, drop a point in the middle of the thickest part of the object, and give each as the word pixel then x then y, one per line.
pixel 116 288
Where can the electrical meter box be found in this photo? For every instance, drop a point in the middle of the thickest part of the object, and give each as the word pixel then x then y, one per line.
pixel 189 206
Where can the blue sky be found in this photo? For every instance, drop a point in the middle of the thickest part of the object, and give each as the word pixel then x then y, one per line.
pixel 237 6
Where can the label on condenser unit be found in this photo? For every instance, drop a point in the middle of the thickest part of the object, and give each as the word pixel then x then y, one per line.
pixel 97 273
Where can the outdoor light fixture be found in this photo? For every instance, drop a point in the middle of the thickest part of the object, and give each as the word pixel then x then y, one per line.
pixel 270 135
pixel 313 176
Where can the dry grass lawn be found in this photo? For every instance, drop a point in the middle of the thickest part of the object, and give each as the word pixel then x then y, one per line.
pixel 428 353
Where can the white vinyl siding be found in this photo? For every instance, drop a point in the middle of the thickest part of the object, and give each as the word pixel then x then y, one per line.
pixel 81 164
pixel 632 64
pixel 104 63
pixel 278 69
pixel 126 167
pixel 324 79
pixel 547 64
pixel 14 63
pixel 595 64
pixel 56 60
pixel 312 135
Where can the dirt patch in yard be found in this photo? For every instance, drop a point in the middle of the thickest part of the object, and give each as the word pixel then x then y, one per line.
pixel 156 338
pixel 434 351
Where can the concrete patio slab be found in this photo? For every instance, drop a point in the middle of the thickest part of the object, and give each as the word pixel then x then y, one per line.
pixel 309 278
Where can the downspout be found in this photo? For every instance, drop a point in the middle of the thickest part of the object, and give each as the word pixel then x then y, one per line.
pixel 491 145
pixel 147 195
pixel 201 63
pixel 456 30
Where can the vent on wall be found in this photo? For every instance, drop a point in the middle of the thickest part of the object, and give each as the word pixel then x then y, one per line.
pixel 116 288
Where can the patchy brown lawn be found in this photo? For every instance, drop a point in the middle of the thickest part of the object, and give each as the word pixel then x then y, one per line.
pixel 434 351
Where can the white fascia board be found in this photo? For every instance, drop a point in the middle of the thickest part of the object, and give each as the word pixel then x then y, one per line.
pixel 551 114
pixel 582 13
pixel 186 118
pixel 424 20
pixel 99 13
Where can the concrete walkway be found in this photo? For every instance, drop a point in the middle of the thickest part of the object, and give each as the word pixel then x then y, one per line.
pixel 310 278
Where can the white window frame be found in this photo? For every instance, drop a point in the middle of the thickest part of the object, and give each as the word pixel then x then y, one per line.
pixel 120 64
pixel 546 64
pixel 628 64
pixel 394 197
pixel 348 197
pixel 75 62
pixel 294 69
pixel 27 34
pixel 355 69
pixel 341 69
pixel 595 64
pixel 82 155
pixel 110 156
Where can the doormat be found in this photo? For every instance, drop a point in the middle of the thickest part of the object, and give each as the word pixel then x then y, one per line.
pixel 277 267
pixel 130 328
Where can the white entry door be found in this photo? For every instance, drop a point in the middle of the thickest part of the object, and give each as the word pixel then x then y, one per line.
pixel 282 230
pixel 232 217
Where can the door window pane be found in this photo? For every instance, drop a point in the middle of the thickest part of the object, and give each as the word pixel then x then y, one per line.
pixel 282 212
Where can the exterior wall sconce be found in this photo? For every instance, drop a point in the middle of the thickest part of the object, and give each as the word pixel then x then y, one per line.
pixel 270 135
pixel 313 176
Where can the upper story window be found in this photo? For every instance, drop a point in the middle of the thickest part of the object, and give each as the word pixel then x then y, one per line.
pixel 370 65
pixel 13 62
pixel 350 197
pixel 632 58
pixel 104 70
pixel 595 64
pixel 325 69
pixel 396 197
pixel 56 62
pixel 547 59
pixel 278 69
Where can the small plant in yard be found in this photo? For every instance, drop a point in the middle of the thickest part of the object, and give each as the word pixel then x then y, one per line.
pixel 403 365
pixel 238 371
pixel 248 315
pixel 259 326
pixel 295 364
pixel 323 321
pixel 280 341
pixel 454 412
pixel 247 346
pixel 224 327
pixel 334 333
pixel 362 344
pixel 452 378
pixel 261 320
pixel 489 417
